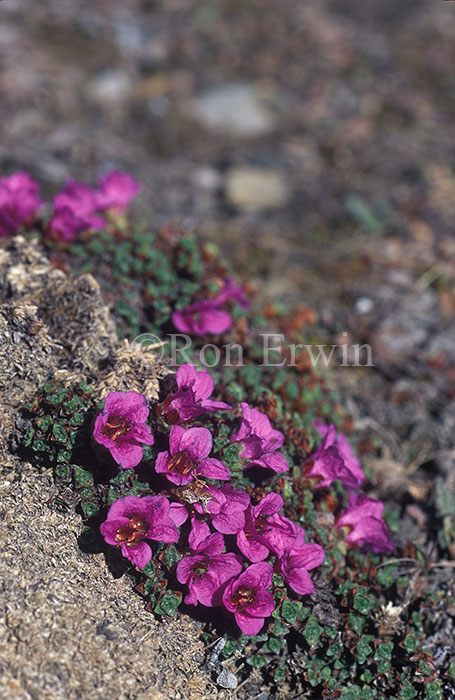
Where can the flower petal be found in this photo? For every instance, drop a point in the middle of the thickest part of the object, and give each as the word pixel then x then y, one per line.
pixel 213 469
pixel 127 454
pixel 109 529
pixel 198 442
pixel 139 555
pixel 249 625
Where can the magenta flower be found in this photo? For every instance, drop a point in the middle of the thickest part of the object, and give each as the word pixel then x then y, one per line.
pixel 131 520
pixel 205 316
pixel 206 570
pixel 328 463
pixel 80 199
pixel 192 398
pixel 74 209
pixel 232 292
pixel 202 317
pixel 19 202
pixel 368 529
pixel 121 427
pixel 249 599
pixel 297 560
pixel 116 190
pixel 178 513
pixel 266 530
pixel 189 457
pixel 344 448
pixel 227 507
pixel 260 441
pixel 66 226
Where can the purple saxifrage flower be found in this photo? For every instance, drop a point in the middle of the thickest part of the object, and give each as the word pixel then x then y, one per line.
pixel 207 569
pixel 297 560
pixel 131 520
pixel 227 508
pixel 331 462
pixel 192 398
pixel 368 529
pixel 19 202
pixel 249 599
pixel 344 448
pixel 189 457
pixel 116 190
pixel 260 440
pixel 205 316
pixel 74 211
pixel 266 530
pixel 121 427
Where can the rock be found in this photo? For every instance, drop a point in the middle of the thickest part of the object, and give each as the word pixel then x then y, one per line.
pixel 256 189
pixel 226 679
pixel 207 178
pixel 364 305
pixel 68 628
pixel 111 87
pixel 236 108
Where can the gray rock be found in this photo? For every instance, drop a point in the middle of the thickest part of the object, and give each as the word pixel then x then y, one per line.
pixel 235 108
pixel 256 189
pixel 226 679
pixel 110 87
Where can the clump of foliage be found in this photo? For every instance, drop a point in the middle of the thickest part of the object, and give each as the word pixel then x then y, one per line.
pixel 363 629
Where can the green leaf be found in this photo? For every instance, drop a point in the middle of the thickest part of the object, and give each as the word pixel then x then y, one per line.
pixel 62 471
pixel 363 214
pixel 64 456
pixel 83 477
pixel 76 420
pixel 407 692
pixel 59 433
pixel 279 673
pixel 386 576
pixel 411 643
pixel 278 580
pixel 28 437
pixel 363 603
pixel 312 631
pixel 273 645
pixel 383 651
pixel 89 509
pixel 168 604
pixel 289 610
pixel 279 629
pixel 356 622
pixel 171 556
pixel 363 648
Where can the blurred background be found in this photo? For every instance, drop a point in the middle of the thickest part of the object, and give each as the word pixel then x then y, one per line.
pixel 311 140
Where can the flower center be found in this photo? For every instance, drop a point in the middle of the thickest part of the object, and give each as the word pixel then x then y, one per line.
pixel 242 597
pixel 182 463
pixel 261 524
pixel 115 427
pixel 134 532
pixel 199 568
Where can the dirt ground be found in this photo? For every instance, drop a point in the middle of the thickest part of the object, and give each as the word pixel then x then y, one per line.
pixel 311 141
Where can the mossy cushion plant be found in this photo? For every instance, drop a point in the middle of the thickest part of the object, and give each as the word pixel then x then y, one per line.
pixel 235 497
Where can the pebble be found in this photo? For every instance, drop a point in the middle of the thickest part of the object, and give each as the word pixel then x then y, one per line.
pixel 256 189
pixel 226 679
pixel 364 305
pixel 110 87
pixel 235 108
